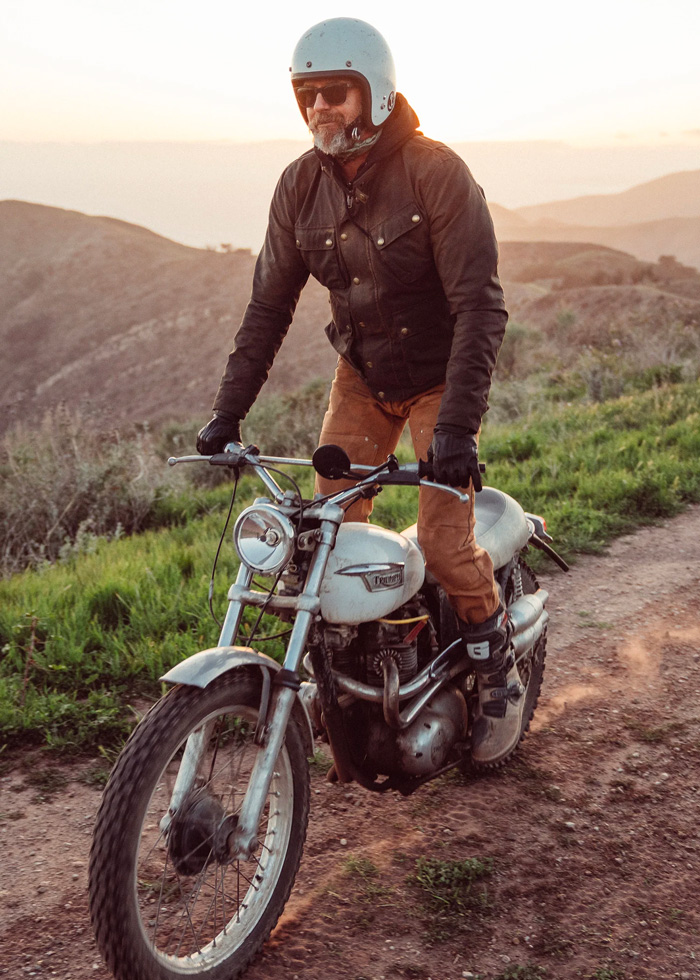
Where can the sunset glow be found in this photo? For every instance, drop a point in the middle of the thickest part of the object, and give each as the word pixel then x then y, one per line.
pixel 604 72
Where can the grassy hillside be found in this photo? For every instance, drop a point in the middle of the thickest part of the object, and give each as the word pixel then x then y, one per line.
pixel 86 636
pixel 593 323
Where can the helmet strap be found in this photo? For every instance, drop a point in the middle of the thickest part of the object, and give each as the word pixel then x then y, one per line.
pixel 352 134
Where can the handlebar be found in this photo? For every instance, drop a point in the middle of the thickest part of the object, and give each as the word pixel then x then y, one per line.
pixel 395 474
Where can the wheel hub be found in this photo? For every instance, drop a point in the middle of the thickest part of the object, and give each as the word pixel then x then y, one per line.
pixel 193 833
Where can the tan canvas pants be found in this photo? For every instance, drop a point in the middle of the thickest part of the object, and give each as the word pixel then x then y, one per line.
pixel 368 430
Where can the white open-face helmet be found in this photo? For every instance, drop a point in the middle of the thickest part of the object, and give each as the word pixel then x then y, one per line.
pixel 354 49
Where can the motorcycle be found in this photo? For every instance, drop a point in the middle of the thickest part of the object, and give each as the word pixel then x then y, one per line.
pixel 201 827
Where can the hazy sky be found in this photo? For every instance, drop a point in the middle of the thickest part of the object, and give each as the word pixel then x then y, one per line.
pixel 601 72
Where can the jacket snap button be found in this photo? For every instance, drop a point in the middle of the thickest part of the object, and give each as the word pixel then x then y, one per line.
pixel 380 241
pixel 380 394
pixel 404 330
pixel 415 218
pixel 298 243
pixel 369 364
pixel 343 237
pixel 329 241
pixel 356 281
pixel 361 324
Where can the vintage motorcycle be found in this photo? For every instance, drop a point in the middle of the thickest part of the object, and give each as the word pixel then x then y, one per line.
pixel 201 827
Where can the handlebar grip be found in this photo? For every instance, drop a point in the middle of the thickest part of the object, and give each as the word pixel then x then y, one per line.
pixel 425 469
pixel 234 455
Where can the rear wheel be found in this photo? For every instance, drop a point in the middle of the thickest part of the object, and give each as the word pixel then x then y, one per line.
pixel 530 664
pixel 166 899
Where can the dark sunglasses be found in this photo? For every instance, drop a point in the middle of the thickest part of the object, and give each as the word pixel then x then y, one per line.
pixel 334 94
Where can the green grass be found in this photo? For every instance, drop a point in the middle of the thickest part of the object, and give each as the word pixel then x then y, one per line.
pixel 452 888
pixel 451 894
pixel 597 471
pixel 367 877
pixel 83 640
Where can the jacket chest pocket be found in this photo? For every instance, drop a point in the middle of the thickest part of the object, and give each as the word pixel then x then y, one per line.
pixel 319 251
pixel 403 242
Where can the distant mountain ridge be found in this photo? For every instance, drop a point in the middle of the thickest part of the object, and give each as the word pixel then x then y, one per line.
pixel 661 217
pixel 673 196
pixel 204 193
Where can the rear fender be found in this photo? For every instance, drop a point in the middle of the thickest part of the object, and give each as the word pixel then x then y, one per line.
pixel 204 667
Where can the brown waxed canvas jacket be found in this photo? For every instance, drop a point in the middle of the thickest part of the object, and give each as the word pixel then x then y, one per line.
pixel 408 253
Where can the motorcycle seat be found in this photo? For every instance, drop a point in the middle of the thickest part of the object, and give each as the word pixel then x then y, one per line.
pixel 501 527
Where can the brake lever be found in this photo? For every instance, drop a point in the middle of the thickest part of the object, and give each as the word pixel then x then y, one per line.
pixel 409 475
pixel 174 460
pixel 462 497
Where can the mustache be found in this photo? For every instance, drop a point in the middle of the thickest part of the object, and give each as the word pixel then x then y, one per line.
pixel 326 116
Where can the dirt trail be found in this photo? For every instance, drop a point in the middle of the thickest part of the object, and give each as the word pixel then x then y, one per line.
pixel 592 829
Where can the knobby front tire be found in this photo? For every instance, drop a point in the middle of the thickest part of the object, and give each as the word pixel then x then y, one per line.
pixel 169 903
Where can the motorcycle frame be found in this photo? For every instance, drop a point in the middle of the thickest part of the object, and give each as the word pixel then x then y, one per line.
pixel 277 706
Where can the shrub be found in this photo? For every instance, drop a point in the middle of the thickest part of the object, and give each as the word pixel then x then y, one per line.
pixel 288 425
pixel 68 483
pixel 280 425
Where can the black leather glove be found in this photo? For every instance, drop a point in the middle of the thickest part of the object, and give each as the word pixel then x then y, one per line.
pixel 454 457
pixel 213 437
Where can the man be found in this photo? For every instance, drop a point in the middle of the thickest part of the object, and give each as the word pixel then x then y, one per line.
pixel 395 227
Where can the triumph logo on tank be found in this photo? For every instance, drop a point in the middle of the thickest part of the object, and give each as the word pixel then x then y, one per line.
pixel 384 580
pixel 379 577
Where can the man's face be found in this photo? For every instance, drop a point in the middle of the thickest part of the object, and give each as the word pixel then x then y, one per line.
pixel 328 122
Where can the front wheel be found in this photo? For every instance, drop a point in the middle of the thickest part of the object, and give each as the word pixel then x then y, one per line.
pixel 166 900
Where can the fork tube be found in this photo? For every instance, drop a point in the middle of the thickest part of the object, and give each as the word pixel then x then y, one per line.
pixel 191 757
pixel 234 612
pixel 244 838
pixel 309 605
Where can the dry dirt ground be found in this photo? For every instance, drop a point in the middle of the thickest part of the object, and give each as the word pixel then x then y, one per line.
pixel 592 829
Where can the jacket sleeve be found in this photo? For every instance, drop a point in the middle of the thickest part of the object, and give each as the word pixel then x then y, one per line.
pixel 279 277
pixel 466 258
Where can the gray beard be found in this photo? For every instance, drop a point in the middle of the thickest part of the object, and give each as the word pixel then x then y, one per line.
pixel 334 144
pixel 342 146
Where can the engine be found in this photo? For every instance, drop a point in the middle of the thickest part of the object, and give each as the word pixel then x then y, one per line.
pixel 407 637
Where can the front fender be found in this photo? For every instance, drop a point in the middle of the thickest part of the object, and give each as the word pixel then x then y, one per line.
pixel 202 668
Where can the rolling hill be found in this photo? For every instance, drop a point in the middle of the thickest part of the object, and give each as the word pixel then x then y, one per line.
pixel 135 327
pixel 661 217
pixel 673 196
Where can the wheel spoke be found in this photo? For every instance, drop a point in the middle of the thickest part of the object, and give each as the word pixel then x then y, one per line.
pixel 204 915
pixel 173 904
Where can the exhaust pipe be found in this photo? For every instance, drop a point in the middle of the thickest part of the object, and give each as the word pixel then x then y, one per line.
pixel 523 641
pixel 529 618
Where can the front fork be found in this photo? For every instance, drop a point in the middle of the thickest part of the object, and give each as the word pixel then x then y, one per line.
pixel 197 742
pixel 286 684
pixel 242 842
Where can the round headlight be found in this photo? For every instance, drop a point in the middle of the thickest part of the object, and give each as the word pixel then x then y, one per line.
pixel 264 538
